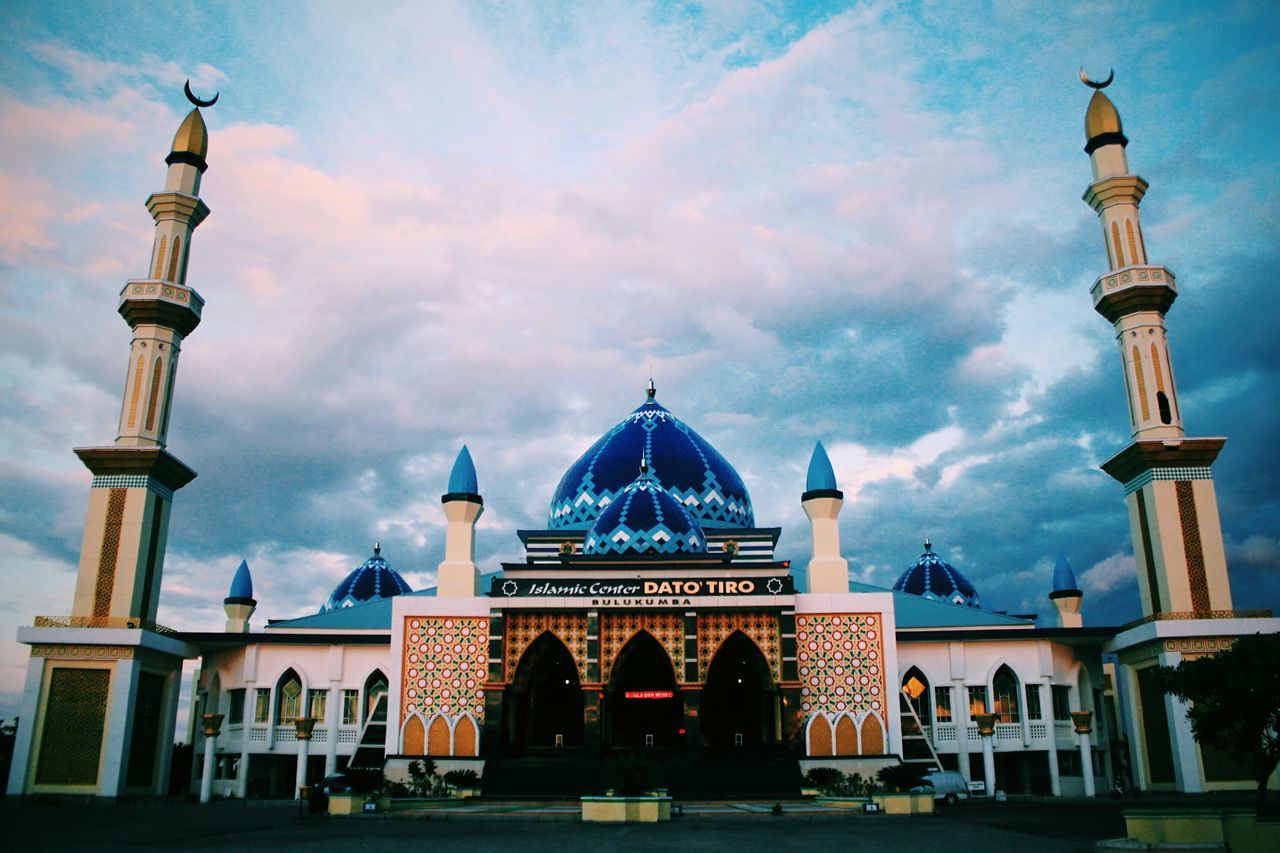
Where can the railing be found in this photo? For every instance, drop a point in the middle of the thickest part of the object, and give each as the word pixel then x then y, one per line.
pixel 945 733
pixel 1008 731
pixel 348 735
pixel 131 622
pixel 1039 730
pixel 1183 615
pixel 286 734
pixel 258 734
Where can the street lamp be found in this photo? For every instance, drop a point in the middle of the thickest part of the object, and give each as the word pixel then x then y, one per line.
pixel 987 728
pixel 302 727
pixel 1082 721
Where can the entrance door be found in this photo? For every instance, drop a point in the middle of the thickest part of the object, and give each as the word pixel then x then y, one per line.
pixel 644 706
pixel 547 698
pixel 738 699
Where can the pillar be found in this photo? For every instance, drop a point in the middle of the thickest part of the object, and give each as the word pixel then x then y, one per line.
pixel 692 716
pixel 333 718
pixel 1082 720
pixel 987 728
pixel 212 723
pixel 242 777
pixel 302 731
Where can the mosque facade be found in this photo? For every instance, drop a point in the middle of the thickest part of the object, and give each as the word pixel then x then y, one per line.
pixel 649 613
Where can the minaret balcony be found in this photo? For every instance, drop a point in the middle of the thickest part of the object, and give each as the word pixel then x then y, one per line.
pixel 1130 290
pixel 161 303
pixel 178 206
pixel 1116 189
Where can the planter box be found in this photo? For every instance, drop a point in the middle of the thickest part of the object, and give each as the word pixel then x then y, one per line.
pixel 413 804
pixel 346 804
pixel 1236 829
pixel 464 793
pixel 855 803
pixel 904 803
pixel 626 809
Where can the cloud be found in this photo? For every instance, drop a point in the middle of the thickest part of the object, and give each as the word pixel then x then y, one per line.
pixel 1117 570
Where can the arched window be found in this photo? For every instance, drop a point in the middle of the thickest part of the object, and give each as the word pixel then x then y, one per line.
pixel 288 698
pixel 438 737
pixel 819 736
pixel 1133 245
pixel 915 690
pixel 159 258
pixel 173 258
pixel 464 737
pixel 1142 384
pixel 137 389
pixel 415 737
pixel 1005 686
pixel 1115 243
pixel 375 687
pixel 846 736
pixel 872 735
pixel 156 375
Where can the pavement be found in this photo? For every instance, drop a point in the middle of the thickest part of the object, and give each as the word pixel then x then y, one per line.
pixel 1045 826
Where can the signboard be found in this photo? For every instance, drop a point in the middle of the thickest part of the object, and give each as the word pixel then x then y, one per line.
pixel 648 694
pixel 641 588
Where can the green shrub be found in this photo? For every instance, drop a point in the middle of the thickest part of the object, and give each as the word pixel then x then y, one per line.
pixel 900 777
pixel 463 778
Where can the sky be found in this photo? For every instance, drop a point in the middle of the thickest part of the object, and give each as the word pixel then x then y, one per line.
pixel 485 223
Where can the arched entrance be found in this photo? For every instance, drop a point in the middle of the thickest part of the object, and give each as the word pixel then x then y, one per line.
pixel 544 708
pixel 739 702
pixel 643 699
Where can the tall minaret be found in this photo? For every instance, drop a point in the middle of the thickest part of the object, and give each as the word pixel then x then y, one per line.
pixel 1173 510
pixel 122 554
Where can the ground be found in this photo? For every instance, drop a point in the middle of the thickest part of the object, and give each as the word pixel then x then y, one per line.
pixel 1049 826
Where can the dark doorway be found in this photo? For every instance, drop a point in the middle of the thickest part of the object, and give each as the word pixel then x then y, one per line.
pixel 546 700
pixel 738 699
pixel 643 699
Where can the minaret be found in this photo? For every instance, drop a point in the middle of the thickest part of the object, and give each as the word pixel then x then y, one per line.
pixel 240 603
pixel 1173 510
pixel 1066 595
pixel 822 501
pixel 122 554
pixel 458 575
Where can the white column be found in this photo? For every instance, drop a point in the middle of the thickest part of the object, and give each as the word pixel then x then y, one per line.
pixel 1055 775
pixel 301 778
pixel 989 765
pixel 246 729
pixel 1086 760
pixel 206 777
pixel 119 726
pixel 168 722
pixel 333 717
pixel 960 714
pixel 1186 759
pixel 20 767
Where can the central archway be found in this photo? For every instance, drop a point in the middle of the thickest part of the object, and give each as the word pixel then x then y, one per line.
pixel 547 697
pixel 643 698
pixel 739 703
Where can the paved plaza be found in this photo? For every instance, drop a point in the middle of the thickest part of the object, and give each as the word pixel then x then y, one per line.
pixel 1043 826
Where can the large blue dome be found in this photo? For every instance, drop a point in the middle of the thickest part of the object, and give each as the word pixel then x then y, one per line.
pixel 372 579
pixel 680 461
pixel 645 519
pixel 935 578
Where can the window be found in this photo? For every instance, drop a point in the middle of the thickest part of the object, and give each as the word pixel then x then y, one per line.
pixel 977 701
pixel 1061 702
pixel 942 704
pixel 235 713
pixel 1068 762
pixel 350 707
pixel 915 690
pixel 316 704
pixel 1034 711
pixel 1006 690
pixel 289 702
pixel 261 705
pixel 375 687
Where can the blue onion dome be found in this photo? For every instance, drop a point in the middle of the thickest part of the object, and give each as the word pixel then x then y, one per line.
pixel 645 519
pixel 821 479
pixel 241 584
pixel 680 461
pixel 372 579
pixel 462 479
pixel 935 578
pixel 1064 579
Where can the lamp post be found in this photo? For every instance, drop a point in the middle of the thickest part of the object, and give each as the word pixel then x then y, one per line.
pixel 1082 721
pixel 212 725
pixel 987 728
pixel 302 727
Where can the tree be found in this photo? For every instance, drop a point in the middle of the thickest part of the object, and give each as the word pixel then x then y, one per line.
pixel 1234 701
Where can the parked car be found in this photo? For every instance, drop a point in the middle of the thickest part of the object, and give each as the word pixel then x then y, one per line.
pixel 947 785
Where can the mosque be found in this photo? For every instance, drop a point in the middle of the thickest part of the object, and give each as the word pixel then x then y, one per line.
pixel 649 613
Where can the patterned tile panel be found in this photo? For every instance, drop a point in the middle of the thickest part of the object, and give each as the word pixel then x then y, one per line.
pixel 524 628
pixel 617 629
pixel 841 662
pixel 762 628
pixel 445 660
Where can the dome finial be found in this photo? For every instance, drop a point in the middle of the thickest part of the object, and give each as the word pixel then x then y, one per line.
pixel 377 548
pixel 644 464
pixel 653 389
pixel 1084 78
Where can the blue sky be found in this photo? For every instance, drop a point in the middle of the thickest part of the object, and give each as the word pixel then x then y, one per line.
pixel 445 223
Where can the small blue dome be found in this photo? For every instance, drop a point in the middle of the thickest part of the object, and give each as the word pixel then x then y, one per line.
pixel 935 578
pixel 372 579
pixel 645 519
pixel 242 583
pixel 462 479
pixel 680 461
pixel 822 477
pixel 1064 580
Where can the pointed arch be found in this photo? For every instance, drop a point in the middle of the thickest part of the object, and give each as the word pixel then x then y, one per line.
pixel 871 738
pixel 159 258
pixel 1006 695
pixel 414 739
pixel 846 736
pixel 736 633
pixel 137 390
pixel 642 635
pixel 818 738
pixel 289 696
pixel 915 681
pixel 375 686
pixel 1133 245
pixel 173 258
pixel 1115 242
pixel 466 738
pixel 157 373
pixel 1142 384
pixel 438 736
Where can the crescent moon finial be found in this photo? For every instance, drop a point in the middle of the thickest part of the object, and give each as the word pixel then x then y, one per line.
pixel 1084 78
pixel 186 87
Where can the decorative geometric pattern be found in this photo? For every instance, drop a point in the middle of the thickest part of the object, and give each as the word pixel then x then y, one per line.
pixel 524 628
pixel 846 736
pixel 445 661
pixel 1191 545
pixel 760 628
pixel 108 554
pixel 82 652
pixel 372 579
pixel 645 519
pixel 840 659
pixel 1188 473
pixel 415 737
pixel 71 741
pixel 934 578
pixel 130 481
pixel 680 460
pixel 617 629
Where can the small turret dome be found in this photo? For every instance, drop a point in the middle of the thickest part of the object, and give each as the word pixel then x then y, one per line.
pixel 1064 579
pixel 1102 124
pixel 645 519
pixel 821 476
pixel 372 579
pixel 242 583
pixel 462 479
pixel 192 136
pixel 933 577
